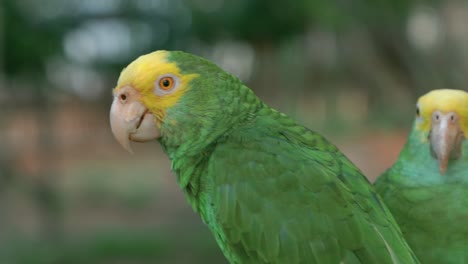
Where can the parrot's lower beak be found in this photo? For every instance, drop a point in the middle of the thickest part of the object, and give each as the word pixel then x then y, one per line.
pixel 446 138
pixel 130 120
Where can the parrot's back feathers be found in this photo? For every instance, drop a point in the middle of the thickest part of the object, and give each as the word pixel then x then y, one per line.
pixel 283 194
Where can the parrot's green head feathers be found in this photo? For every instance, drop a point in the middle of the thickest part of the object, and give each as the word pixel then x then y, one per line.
pixel 442 123
pixel 189 99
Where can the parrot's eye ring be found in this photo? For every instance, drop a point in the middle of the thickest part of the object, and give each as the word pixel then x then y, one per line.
pixel 166 83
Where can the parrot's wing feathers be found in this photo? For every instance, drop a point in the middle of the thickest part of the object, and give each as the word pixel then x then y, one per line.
pixel 290 198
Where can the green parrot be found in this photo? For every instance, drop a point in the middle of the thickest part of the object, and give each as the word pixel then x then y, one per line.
pixel 427 188
pixel 269 189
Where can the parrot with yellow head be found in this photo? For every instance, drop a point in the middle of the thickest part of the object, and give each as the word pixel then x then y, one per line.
pixel 427 188
pixel 269 189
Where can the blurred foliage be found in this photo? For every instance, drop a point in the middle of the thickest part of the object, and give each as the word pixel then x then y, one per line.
pixel 37 33
pixel 29 44
pixel 253 21
pixel 116 246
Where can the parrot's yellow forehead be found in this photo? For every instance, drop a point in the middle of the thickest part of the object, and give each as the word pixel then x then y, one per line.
pixel 145 69
pixel 142 75
pixel 445 101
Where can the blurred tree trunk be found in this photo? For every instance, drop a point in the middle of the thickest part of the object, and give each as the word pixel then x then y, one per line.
pixel 265 79
pixel 6 174
pixel 399 58
pixel 44 189
pixel 6 169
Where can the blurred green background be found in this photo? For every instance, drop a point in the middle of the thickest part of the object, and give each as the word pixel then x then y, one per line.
pixel 69 193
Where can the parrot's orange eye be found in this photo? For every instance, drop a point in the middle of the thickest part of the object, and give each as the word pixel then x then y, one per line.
pixel 166 83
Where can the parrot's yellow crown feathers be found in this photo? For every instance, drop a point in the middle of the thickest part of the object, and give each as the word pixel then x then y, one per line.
pixel 444 100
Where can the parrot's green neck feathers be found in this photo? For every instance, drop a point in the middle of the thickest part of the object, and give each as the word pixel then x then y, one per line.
pixel 200 119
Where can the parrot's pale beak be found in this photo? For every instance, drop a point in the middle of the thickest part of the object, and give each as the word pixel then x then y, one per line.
pixel 446 138
pixel 130 120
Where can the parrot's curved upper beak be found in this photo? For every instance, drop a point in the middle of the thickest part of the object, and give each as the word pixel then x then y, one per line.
pixel 130 120
pixel 446 138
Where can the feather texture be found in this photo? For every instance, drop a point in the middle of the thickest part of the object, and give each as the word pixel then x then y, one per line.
pixel 270 190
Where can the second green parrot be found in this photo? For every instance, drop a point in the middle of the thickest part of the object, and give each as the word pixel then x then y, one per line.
pixel 427 188
pixel 270 190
